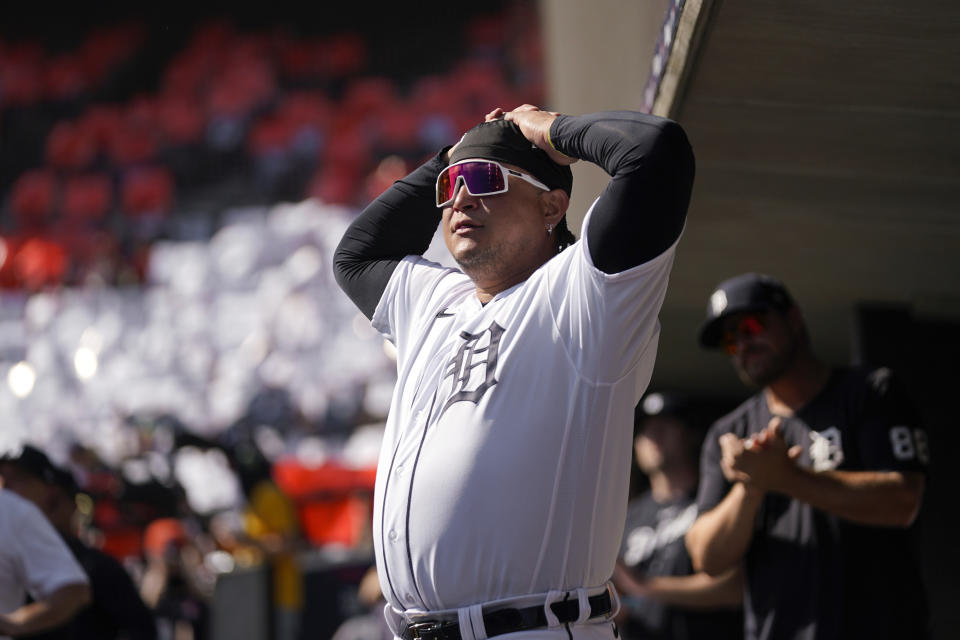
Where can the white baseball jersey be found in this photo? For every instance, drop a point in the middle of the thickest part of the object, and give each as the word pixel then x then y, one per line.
pixel 505 463
pixel 34 558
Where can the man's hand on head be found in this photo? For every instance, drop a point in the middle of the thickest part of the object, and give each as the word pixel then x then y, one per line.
pixel 535 124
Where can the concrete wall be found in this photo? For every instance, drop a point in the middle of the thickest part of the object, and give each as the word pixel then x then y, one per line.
pixel 598 55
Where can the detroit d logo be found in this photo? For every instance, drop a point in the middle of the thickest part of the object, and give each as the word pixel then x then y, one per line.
pixel 826 450
pixel 474 366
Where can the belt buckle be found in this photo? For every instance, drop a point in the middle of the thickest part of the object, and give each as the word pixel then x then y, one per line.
pixel 417 628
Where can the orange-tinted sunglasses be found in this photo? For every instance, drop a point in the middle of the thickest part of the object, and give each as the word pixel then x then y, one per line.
pixel 749 325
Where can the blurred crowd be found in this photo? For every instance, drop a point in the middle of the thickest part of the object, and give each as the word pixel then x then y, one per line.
pixel 224 417
pixel 124 135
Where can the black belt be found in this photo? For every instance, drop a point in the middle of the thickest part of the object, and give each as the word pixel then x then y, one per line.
pixel 500 621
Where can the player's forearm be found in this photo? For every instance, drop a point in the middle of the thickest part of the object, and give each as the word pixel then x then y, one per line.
pixel 699 590
pixel 642 211
pixel 620 141
pixel 878 498
pixel 399 223
pixel 718 540
pixel 48 613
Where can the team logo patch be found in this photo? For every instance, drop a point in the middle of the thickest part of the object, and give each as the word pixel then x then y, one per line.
pixel 474 366
pixel 718 302
pixel 826 449
pixel 672 523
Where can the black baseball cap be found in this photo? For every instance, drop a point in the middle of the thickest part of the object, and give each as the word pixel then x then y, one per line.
pixel 503 141
pixel 664 403
pixel 746 292
pixel 35 462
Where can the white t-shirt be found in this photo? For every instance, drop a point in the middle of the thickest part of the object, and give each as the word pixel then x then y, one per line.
pixel 33 557
pixel 506 458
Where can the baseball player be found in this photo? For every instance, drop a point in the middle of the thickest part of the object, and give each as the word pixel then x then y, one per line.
pixel 812 484
pixel 502 482
pixel 663 599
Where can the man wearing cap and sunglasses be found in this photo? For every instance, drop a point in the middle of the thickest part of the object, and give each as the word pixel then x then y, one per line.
pixel 502 484
pixel 813 484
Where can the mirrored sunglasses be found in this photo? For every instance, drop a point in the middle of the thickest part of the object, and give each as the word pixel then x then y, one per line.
pixel 480 177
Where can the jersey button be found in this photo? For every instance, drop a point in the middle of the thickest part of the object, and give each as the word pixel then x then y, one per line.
pixel 398 469
pixel 393 535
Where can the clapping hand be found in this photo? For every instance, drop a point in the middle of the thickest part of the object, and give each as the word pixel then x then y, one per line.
pixel 762 461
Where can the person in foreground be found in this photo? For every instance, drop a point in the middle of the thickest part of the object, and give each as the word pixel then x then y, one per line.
pixel 35 561
pixel 116 610
pixel 502 482
pixel 813 484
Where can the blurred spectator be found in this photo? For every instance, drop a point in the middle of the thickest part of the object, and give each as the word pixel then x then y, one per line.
pixel 35 561
pixel 370 625
pixel 813 484
pixel 116 610
pixel 171 583
pixel 271 524
pixel 663 598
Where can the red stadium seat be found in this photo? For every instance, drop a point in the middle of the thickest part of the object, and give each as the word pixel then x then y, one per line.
pixel 348 146
pixel 398 128
pixel 70 146
pixel 141 111
pixel 104 48
pixel 8 248
pixel 431 94
pixel 132 144
pixel 64 79
pixel 337 185
pixel 369 96
pixel 242 86
pixel 307 108
pixel 270 134
pixel 180 120
pixel 87 198
pixel 489 32
pixel 33 198
pixel 39 263
pixel 342 55
pixel 22 82
pixel 103 123
pixel 186 74
pixel 296 59
pixel 147 191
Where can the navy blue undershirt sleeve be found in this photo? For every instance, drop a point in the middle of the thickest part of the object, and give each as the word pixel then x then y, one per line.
pixel 401 222
pixel 641 212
